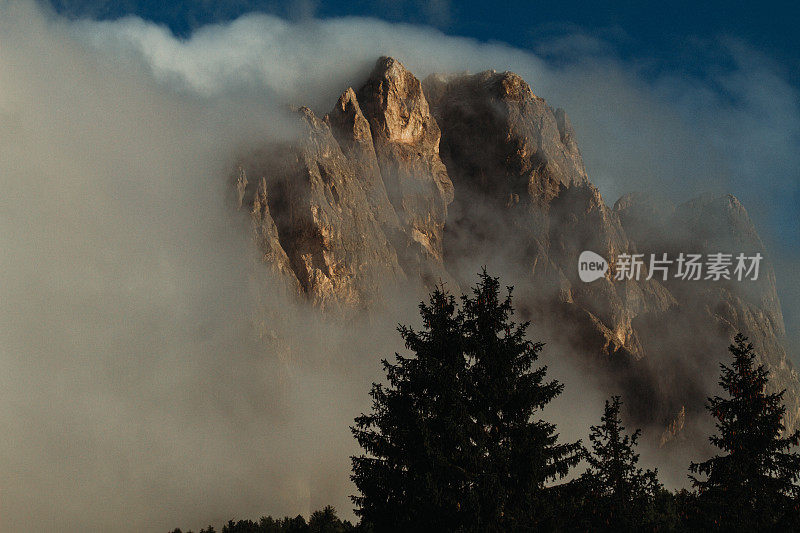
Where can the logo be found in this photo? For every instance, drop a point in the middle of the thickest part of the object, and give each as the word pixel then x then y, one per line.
pixel 687 266
pixel 591 266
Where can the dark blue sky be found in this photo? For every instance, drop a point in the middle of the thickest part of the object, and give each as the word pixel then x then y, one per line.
pixel 657 30
pixel 653 28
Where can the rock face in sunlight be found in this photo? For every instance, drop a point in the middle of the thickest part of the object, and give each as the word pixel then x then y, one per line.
pixel 408 182
pixel 320 219
pixel 360 202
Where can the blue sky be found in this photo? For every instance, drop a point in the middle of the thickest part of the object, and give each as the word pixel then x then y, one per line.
pixel 653 29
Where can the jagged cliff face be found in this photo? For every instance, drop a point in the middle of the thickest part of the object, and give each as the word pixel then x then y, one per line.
pixel 506 146
pixel 406 182
pixel 360 201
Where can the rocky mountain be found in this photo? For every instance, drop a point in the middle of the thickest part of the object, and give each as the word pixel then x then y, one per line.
pixel 408 182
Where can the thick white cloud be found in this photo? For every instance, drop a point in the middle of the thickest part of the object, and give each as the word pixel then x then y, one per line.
pixel 724 129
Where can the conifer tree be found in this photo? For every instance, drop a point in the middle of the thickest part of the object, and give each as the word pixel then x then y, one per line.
pixel 751 485
pixel 620 495
pixel 416 474
pixel 518 453
pixel 326 521
pixel 453 442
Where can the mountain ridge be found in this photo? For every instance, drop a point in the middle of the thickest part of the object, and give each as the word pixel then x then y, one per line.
pixel 409 181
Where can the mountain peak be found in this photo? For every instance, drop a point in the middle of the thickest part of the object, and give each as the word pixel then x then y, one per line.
pixel 414 183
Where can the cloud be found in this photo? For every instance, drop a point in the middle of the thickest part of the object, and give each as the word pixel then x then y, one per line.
pixel 722 128
pixel 134 393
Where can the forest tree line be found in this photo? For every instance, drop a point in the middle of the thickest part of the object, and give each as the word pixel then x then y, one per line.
pixel 454 442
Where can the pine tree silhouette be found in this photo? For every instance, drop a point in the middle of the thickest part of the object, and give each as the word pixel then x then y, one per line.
pixel 751 486
pixel 518 454
pixel 620 494
pixel 452 443
pixel 417 472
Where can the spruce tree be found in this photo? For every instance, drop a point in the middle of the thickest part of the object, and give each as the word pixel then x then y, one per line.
pixel 453 443
pixel 620 496
pixel 518 453
pixel 416 474
pixel 751 486
pixel 326 521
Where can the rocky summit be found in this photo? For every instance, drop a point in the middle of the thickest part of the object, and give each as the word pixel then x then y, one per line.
pixel 416 182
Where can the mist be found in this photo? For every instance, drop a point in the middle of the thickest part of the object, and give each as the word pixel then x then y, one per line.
pixel 154 375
